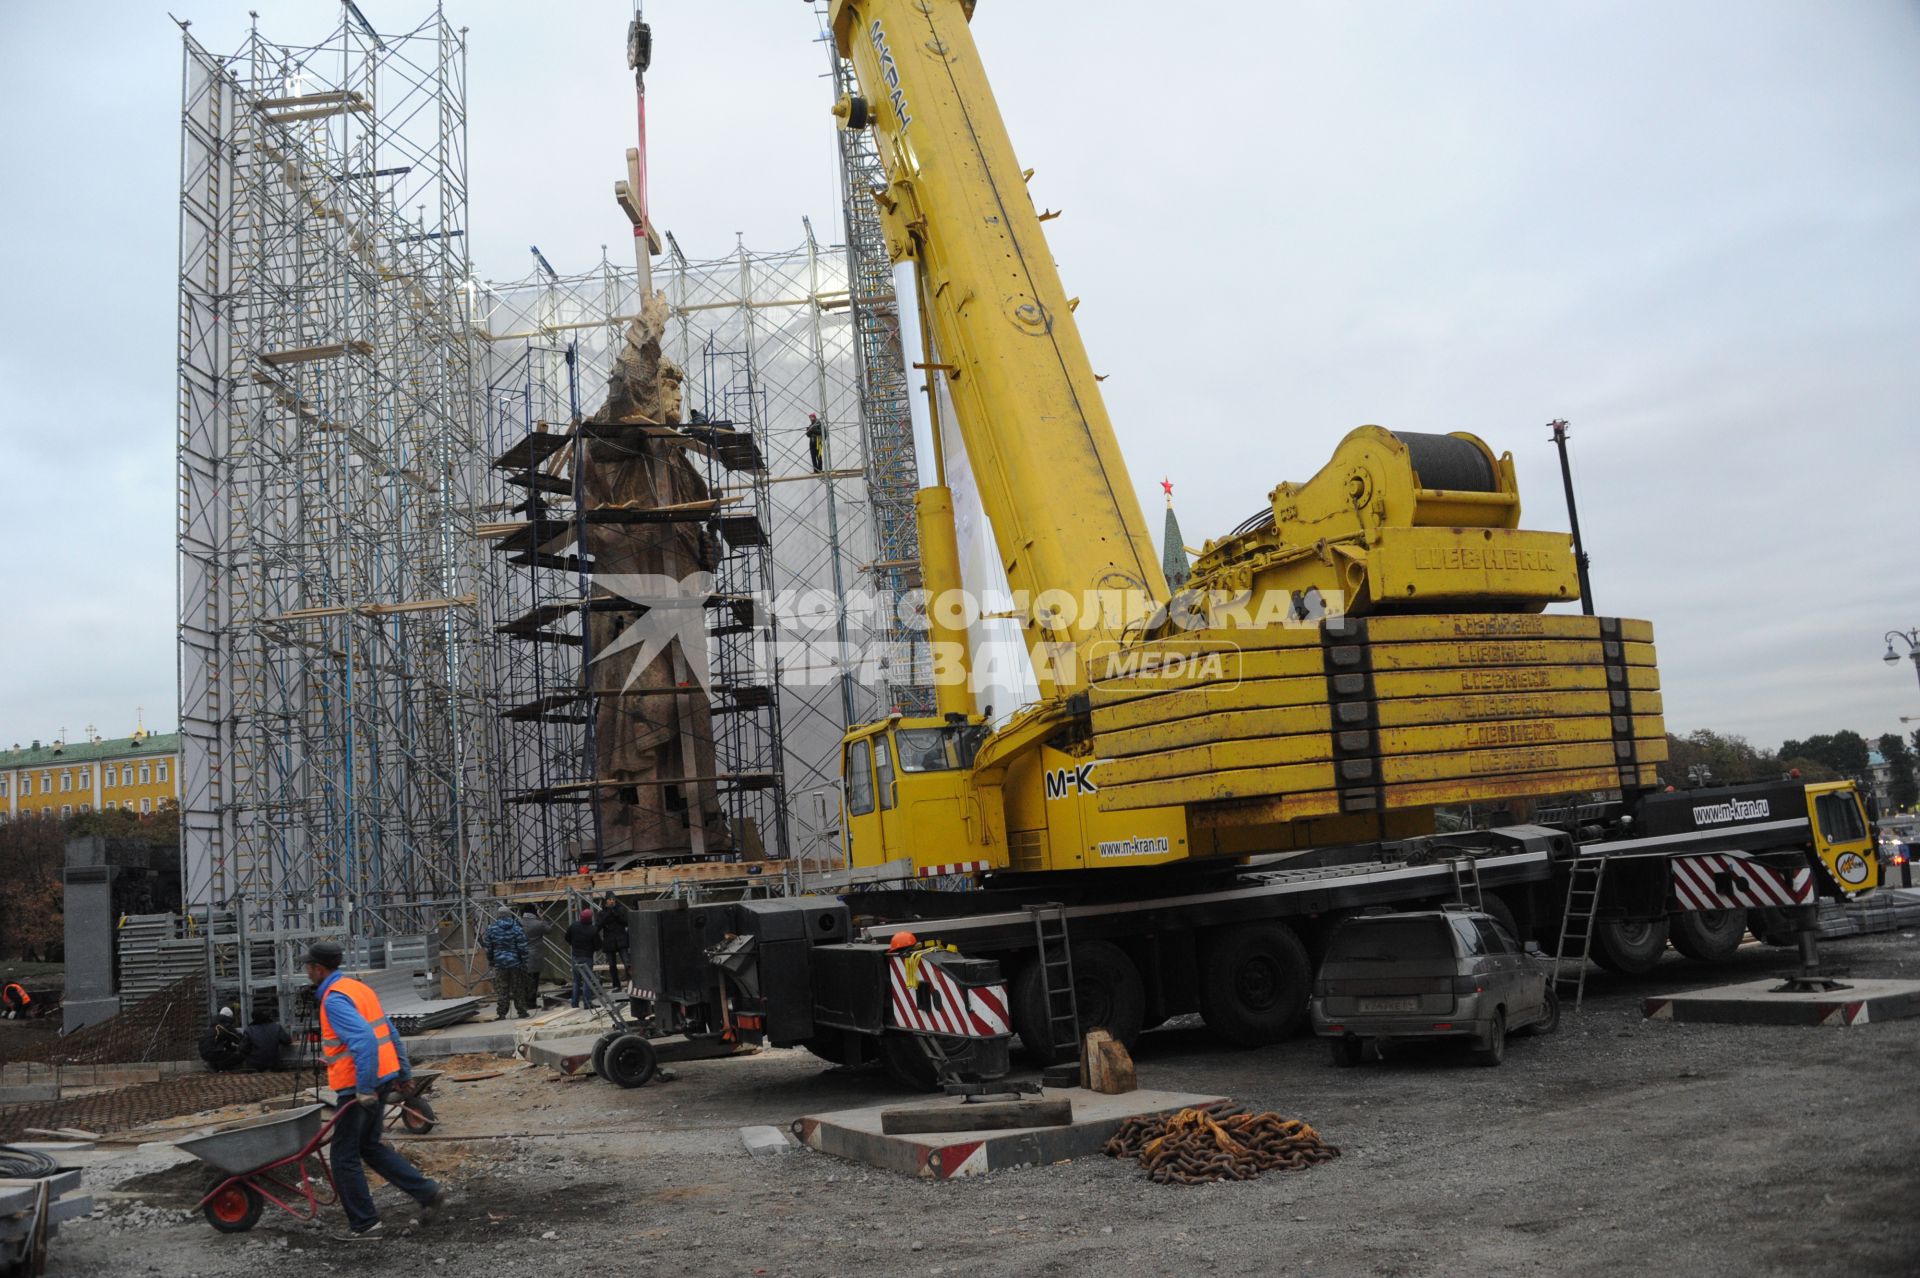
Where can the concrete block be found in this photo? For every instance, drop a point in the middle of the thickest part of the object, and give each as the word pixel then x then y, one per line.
pixel 855 1134
pixel 1755 1003
pixel 27 1093
pixel 762 1141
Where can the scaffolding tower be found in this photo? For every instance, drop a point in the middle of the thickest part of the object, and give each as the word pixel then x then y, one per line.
pixel 886 421
pixel 768 342
pixel 332 672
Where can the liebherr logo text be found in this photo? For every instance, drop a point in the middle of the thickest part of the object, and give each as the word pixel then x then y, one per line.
pixel 890 71
pixel 1733 810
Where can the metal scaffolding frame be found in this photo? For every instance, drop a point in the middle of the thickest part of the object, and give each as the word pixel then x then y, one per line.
pixel 886 421
pixel 767 340
pixel 344 382
pixel 331 670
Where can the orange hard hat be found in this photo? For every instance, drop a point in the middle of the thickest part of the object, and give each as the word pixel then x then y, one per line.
pixel 903 941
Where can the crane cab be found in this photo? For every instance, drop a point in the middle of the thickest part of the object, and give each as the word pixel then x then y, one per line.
pixel 907 792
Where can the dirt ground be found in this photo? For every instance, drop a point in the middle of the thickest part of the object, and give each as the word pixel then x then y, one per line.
pixel 1618 1145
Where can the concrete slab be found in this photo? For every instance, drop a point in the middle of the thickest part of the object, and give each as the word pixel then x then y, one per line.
pixel 28 1093
pixel 762 1141
pixel 1754 1003
pixel 855 1134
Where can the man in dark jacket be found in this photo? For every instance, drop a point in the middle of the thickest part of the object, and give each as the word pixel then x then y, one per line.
pixel 583 938
pixel 613 935
pixel 537 929
pixel 223 1046
pixel 505 943
pixel 266 1039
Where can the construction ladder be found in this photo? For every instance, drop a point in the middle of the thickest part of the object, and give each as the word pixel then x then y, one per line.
pixel 1054 953
pixel 1466 877
pixel 1576 924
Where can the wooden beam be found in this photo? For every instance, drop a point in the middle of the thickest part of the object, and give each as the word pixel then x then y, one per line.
pixel 992 1116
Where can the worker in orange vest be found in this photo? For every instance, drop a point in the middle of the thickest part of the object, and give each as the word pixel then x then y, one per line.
pixel 365 1058
pixel 15 1000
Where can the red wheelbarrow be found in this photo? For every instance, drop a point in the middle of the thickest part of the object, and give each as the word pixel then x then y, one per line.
pixel 271 1159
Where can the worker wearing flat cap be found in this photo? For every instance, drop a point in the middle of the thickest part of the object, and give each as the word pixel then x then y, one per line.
pixel 365 1058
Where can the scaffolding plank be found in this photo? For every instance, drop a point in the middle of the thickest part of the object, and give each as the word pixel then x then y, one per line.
pixel 539 481
pixel 534 447
pixel 742 530
pixel 568 791
pixel 551 708
pixel 306 354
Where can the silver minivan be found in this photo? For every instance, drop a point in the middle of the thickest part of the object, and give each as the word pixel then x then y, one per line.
pixel 1434 974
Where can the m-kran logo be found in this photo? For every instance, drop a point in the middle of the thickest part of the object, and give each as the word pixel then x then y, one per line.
pixel 1732 810
pixel 890 72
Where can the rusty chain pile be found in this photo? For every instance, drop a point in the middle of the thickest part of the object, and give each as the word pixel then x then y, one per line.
pixel 1196 1146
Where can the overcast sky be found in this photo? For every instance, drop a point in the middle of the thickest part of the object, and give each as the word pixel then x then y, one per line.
pixel 1691 229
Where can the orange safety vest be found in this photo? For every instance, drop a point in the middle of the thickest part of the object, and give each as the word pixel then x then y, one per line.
pixel 23 998
pixel 339 1057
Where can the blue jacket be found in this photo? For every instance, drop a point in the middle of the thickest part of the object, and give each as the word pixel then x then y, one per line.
pixel 505 942
pixel 352 1029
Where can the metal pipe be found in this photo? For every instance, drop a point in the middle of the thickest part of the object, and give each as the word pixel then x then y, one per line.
pixel 1559 429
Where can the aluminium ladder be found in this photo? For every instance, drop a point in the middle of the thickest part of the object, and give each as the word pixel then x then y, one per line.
pixel 1576 925
pixel 1053 951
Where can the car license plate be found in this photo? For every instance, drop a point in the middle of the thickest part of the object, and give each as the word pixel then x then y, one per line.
pixel 1389 1004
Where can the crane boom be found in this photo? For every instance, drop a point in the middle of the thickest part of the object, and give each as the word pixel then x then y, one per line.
pixel 1066 519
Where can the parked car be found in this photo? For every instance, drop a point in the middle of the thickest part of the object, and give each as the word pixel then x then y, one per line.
pixel 1452 973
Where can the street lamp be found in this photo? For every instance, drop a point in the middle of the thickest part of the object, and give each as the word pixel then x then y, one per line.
pixel 1911 638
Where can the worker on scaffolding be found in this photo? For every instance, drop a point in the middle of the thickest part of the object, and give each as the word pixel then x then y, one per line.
pixel 816 443
pixel 365 1058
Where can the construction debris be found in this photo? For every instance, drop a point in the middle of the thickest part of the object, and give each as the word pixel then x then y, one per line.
pixel 1209 1143
pixel 1106 1066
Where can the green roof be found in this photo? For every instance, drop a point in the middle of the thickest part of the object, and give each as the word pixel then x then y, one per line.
pixel 88 751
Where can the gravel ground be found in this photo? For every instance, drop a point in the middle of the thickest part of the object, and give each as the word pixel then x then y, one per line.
pixel 1617 1145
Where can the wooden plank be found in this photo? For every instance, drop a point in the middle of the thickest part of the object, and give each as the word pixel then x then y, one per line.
pixel 988 1117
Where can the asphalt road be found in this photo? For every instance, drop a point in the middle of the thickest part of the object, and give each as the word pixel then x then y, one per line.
pixel 1616 1146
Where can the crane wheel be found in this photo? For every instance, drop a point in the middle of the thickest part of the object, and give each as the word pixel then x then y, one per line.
pixel 1255 979
pixel 1106 988
pixel 1497 909
pixel 1629 947
pixel 1771 925
pixel 629 1061
pixel 1708 936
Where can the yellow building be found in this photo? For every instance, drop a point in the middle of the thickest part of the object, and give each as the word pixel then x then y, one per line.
pixel 138 773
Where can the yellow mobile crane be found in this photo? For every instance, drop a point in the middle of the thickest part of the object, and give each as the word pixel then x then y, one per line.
pixel 1229 720
pixel 1210 779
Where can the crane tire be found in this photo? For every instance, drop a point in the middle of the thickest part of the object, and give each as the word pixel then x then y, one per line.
pixel 1107 990
pixel 1708 936
pixel 1629 947
pixel 1255 979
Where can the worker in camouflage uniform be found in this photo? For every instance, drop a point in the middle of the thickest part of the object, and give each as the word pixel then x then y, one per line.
pixel 505 943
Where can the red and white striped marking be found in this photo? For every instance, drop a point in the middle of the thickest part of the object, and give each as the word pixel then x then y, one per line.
pixel 957 867
pixel 1752 884
pixel 952 1009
